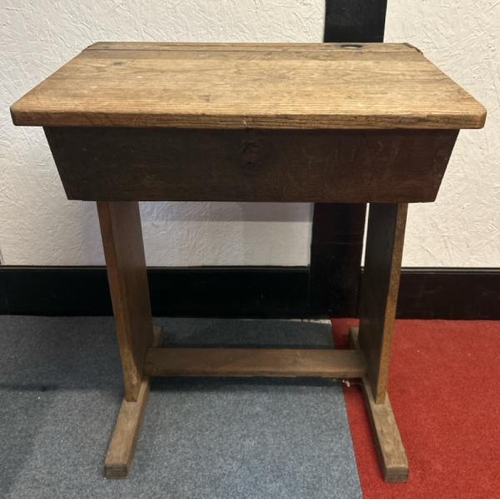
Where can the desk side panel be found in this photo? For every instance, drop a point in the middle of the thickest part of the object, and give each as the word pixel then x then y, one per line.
pixel 124 164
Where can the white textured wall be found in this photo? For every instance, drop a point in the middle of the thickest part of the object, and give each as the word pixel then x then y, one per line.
pixel 462 228
pixel 39 226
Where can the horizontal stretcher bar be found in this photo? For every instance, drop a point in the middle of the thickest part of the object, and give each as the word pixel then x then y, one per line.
pixel 243 362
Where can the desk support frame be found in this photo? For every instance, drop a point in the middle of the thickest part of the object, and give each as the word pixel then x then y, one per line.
pixel 379 290
pixel 381 132
pixel 142 357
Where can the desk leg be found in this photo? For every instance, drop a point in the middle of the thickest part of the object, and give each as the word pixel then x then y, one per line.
pixel 124 251
pixel 377 311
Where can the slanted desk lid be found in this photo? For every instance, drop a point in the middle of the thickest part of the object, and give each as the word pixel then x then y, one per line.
pixel 277 86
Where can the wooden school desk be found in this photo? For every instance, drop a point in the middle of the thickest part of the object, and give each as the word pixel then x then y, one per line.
pixel 348 123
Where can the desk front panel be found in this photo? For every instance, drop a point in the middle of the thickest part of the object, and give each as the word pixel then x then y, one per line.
pixel 345 166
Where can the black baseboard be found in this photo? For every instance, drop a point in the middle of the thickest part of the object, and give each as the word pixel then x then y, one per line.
pixel 263 292
pixel 449 293
pixel 197 292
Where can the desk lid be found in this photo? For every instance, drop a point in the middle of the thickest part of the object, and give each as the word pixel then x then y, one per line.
pixel 279 86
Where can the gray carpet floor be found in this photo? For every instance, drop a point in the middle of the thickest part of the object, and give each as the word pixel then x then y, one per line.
pixel 61 388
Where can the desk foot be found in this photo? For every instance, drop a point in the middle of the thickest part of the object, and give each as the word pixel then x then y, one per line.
pixel 390 449
pixel 123 442
pixel 122 447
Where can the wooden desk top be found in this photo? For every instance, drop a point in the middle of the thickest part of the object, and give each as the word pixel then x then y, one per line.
pixel 276 86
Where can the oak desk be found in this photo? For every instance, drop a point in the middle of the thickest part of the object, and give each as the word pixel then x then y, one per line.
pixel 350 123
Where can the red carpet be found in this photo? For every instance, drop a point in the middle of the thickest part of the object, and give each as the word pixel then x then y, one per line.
pixel 445 392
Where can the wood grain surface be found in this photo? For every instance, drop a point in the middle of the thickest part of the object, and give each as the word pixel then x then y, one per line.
pixel 390 449
pixel 261 362
pixel 379 291
pixel 123 443
pixel 291 86
pixel 353 166
pixel 126 432
pixel 128 283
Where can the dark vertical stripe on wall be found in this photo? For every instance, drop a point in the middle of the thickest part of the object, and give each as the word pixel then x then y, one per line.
pixel 355 20
pixel 336 246
pixel 337 234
